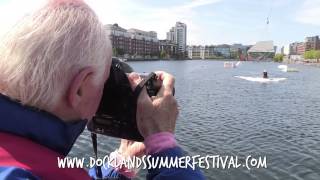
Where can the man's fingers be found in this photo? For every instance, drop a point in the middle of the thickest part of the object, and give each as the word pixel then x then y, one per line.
pixel 167 83
pixel 167 79
pixel 134 80
pixel 144 98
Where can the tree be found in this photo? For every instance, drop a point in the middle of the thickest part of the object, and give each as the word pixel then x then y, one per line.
pixel 317 55
pixel 163 54
pixel 120 51
pixel 114 52
pixel 312 54
pixel 308 54
pixel 278 58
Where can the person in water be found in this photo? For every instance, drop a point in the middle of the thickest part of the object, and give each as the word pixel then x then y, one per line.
pixel 265 74
pixel 53 67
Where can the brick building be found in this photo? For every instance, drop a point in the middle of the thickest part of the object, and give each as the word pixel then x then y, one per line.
pixel 301 48
pixel 312 43
pixel 133 43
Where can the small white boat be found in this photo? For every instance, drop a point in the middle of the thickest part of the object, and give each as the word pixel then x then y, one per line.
pixel 229 65
pixel 260 79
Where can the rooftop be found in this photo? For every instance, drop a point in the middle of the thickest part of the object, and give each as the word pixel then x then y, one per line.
pixel 262 46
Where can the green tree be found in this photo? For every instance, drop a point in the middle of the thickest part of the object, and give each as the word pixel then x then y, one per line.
pixel 308 54
pixel 317 55
pixel 278 58
pixel 114 52
pixel 312 54
pixel 120 51
pixel 163 54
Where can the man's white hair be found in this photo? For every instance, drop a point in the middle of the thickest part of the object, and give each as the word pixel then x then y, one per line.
pixel 40 56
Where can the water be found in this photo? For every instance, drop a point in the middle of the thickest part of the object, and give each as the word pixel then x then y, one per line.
pixel 224 115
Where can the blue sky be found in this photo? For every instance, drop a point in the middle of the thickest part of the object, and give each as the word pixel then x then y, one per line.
pixel 208 21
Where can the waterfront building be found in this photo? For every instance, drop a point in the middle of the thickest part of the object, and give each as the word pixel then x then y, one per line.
pixel 312 43
pixel 236 47
pixel 293 48
pixel 296 50
pixel 209 52
pixel 263 50
pixel 238 51
pixel 181 36
pixel 171 35
pixel 189 52
pixel 286 50
pixel 133 43
pixel 275 48
pixel 223 50
pixel 196 52
pixel 201 52
pixel 168 49
pixel 204 52
pixel 178 34
pixel 301 48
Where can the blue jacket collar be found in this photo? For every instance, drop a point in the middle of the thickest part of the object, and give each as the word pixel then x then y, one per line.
pixel 39 126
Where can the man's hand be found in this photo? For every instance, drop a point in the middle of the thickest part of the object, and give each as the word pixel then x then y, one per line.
pixel 131 148
pixel 127 149
pixel 158 113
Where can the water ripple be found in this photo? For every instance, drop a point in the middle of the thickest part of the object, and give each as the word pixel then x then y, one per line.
pixel 224 115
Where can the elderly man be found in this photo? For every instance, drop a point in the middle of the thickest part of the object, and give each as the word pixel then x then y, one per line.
pixel 53 67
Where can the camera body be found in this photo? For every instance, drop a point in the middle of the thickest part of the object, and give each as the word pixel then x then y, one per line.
pixel 116 115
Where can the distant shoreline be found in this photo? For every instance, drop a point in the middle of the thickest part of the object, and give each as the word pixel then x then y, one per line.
pixel 135 60
pixel 312 64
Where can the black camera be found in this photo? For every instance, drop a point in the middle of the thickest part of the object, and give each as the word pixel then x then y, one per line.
pixel 116 115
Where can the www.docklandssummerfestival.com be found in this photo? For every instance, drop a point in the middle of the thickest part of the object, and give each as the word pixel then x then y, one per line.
pixel 149 162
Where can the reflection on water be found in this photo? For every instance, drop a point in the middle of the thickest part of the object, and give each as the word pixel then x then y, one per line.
pixel 224 115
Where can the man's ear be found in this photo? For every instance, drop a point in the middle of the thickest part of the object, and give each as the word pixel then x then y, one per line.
pixel 77 86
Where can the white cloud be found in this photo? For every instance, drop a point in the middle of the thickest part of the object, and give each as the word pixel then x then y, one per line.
pixel 127 13
pixel 309 13
pixel 196 3
pixel 134 14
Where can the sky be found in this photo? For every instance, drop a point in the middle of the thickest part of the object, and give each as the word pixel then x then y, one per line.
pixel 209 22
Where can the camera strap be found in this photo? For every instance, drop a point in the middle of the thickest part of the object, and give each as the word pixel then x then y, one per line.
pixel 140 86
pixel 95 150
